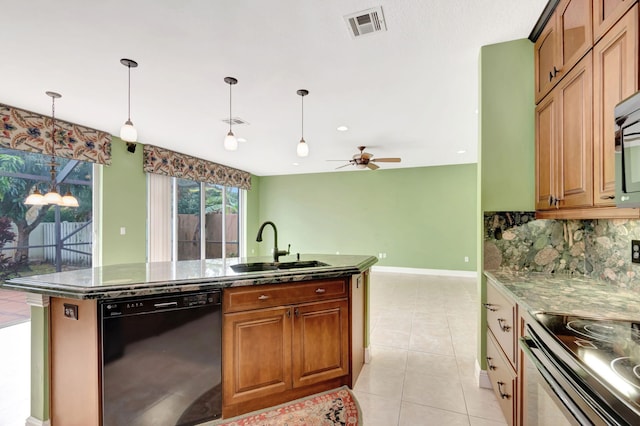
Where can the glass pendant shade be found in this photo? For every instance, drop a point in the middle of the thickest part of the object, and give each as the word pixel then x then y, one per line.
pixel 128 133
pixel 230 142
pixel 68 200
pixel 302 149
pixel 52 197
pixel 35 199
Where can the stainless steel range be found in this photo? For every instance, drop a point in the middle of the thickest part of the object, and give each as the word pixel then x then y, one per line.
pixel 589 367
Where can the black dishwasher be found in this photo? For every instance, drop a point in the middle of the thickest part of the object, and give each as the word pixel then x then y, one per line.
pixel 161 359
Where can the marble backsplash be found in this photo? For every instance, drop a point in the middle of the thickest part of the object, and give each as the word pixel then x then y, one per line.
pixel 598 248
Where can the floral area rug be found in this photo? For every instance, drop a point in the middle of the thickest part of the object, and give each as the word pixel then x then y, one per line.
pixel 335 407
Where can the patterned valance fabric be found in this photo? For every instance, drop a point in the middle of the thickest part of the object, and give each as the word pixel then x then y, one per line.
pixel 165 162
pixel 29 131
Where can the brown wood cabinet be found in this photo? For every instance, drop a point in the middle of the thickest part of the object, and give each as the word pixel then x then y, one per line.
pixel 575 168
pixel 274 352
pixel 501 357
pixel 615 77
pixel 564 162
pixel 606 13
pixel 565 39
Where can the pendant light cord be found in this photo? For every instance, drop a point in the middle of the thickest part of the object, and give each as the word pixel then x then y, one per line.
pixel 129 95
pixel 302 120
pixel 230 107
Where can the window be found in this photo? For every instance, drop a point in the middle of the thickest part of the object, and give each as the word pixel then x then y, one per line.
pixel 43 239
pixel 192 205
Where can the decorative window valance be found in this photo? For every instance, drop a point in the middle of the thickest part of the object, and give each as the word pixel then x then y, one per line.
pixel 29 131
pixel 170 163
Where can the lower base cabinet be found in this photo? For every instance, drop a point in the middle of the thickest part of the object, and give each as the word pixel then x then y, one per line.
pixel 503 380
pixel 272 354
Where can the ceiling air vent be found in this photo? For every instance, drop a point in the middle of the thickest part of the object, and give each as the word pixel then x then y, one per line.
pixel 235 121
pixel 366 22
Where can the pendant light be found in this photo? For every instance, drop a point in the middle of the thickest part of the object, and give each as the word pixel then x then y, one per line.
pixel 53 196
pixel 128 133
pixel 230 141
pixel 302 149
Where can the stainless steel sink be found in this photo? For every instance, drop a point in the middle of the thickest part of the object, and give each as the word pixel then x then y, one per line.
pixel 274 266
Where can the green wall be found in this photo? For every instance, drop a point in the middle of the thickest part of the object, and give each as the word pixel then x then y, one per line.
pixel 506 173
pixel 420 217
pixel 124 205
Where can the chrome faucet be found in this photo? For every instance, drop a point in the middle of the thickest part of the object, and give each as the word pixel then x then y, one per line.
pixel 276 253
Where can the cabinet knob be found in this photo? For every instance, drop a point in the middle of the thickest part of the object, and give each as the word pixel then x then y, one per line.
pixel 553 73
pixel 607 197
pixel 320 290
pixel 296 312
pixel 263 297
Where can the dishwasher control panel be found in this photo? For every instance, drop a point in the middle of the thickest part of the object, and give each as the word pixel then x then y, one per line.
pixel 134 306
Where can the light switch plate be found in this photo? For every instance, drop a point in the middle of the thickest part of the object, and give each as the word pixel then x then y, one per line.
pixel 635 251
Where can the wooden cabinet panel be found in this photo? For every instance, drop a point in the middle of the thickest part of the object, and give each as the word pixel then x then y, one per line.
pixel 74 364
pixel 256 354
pixel 615 77
pixel 320 342
pixel 546 137
pixel 575 31
pixel 264 296
pixel 503 380
pixel 546 60
pixel 357 297
pixel 566 38
pixel 501 315
pixel 564 142
pixel 575 156
pixel 606 13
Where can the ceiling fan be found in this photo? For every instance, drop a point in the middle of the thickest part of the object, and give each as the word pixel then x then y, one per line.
pixel 364 160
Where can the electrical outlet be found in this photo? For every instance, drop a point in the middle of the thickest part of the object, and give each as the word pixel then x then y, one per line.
pixel 635 251
pixel 466 258
pixel 71 311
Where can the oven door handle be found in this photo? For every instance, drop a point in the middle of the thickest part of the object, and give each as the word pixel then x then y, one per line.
pixel 528 347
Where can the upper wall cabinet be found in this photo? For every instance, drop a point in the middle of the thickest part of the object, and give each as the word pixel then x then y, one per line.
pixel 566 38
pixel 615 77
pixel 606 13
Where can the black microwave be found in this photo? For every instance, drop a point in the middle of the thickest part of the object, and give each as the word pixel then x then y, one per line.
pixel 627 154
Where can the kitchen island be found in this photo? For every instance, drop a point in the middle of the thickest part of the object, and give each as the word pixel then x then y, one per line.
pixel 326 299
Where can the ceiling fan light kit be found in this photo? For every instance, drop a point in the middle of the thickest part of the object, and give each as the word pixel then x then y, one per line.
pixel 128 133
pixel 303 148
pixel 365 160
pixel 230 141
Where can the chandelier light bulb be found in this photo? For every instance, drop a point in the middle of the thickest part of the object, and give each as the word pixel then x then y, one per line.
pixel 128 133
pixel 302 149
pixel 230 142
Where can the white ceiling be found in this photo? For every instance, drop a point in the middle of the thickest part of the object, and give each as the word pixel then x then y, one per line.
pixel 411 91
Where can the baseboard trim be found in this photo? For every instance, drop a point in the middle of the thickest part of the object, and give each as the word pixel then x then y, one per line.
pixel 367 355
pixel 483 377
pixel 32 421
pixel 422 271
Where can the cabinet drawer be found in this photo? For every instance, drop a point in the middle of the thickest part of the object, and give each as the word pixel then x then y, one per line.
pixel 503 379
pixel 264 296
pixel 501 320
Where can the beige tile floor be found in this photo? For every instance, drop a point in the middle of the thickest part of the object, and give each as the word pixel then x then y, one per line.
pixel 423 345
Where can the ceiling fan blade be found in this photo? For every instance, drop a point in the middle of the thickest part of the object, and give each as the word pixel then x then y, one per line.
pixel 387 160
pixel 344 165
pixel 342 161
pixel 372 166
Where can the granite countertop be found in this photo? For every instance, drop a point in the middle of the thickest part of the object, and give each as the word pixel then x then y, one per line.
pixel 141 279
pixel 568 294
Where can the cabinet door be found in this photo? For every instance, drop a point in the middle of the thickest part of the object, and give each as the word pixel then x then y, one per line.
pixel 546 136
pixel 320 342
pixel 575 144
pixel 615 76
pixel 606 13
pixel 546 59
pixel 575 31
pixel 256 354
